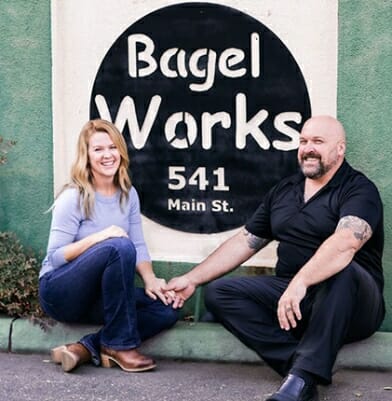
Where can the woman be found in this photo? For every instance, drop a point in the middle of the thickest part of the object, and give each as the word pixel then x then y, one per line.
pixel 95 247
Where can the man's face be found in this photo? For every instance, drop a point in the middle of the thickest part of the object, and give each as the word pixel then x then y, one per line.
pixel 319 151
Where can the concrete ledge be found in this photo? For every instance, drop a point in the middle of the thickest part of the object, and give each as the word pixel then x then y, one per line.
pixel 189 341
pixel 373 353
pixel 5 324
pixel 200 341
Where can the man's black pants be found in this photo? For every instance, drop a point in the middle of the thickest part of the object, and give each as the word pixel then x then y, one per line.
pixel 345 308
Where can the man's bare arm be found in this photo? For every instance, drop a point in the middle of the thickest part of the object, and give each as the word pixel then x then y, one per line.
pixel 359 227
pixel 255 242
pixel 337 251
pixel 334 254
pixel 232 253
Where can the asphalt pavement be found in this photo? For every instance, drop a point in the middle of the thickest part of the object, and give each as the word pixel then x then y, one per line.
pixel 33 377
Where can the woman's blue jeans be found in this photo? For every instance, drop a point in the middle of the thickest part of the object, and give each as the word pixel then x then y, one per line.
pixel 98 288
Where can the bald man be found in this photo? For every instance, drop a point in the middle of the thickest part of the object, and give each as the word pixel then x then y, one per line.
pixel 328 283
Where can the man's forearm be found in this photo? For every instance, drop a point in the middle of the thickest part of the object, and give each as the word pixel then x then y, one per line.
pixel 232 253
pixel 334 255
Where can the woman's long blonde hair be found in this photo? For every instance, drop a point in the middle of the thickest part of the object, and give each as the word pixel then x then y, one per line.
pixel 81 174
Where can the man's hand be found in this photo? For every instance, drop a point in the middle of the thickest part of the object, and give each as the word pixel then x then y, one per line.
pixel 183 288
pixel 289 304
pixel 232 253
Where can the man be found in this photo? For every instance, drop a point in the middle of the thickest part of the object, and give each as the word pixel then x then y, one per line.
pixel 328 286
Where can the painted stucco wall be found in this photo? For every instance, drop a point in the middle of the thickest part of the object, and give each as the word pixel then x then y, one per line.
pixel 365 103
pixel 25 116
pixel 364 106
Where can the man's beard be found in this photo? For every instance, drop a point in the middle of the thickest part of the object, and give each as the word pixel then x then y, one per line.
pixel 317 171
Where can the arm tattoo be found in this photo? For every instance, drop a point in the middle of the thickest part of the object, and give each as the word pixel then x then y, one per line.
pixel 255 242
pixel 359 227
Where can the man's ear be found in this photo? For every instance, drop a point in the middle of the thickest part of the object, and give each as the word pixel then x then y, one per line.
pixel 342 148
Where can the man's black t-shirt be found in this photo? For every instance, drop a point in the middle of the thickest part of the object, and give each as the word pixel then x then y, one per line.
pixel 302 227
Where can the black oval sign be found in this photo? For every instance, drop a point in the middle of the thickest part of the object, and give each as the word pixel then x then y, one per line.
pixel 211 103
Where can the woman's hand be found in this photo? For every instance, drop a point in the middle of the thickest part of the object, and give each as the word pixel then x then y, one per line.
pixel 110 232
pixel 75 249
pixel 153 286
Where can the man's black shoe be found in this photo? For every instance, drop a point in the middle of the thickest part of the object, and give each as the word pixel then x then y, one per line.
pixel 294 388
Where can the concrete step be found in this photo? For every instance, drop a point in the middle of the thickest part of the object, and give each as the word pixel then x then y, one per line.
pixel 187 341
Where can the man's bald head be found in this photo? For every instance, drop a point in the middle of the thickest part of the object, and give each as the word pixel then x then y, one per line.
pixel 326 126
pixel 322 147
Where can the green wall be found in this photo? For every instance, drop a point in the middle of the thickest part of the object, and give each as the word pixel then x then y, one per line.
pixel 364 107
pixel 365 103
pixel 25 116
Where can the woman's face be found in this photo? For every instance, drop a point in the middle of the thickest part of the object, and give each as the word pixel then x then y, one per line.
pixel 103 155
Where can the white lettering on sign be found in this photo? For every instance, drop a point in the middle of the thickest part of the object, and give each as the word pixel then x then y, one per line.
pixel 186 206
pixel 173 64
pixel 244 126
pixel 127 113
pixel 280 124
pixel 178 181
pixel 183 205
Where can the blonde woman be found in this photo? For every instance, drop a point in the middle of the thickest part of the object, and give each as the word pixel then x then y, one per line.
pixel 95 247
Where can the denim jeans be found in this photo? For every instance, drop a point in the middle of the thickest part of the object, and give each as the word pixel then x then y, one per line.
pixel 98 288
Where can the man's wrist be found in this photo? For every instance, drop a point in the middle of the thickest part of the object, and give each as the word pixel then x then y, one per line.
pixel 192 279
pixel 301 278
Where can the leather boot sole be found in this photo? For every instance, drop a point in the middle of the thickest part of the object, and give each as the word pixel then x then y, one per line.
pixel 56 353
pixel 67 359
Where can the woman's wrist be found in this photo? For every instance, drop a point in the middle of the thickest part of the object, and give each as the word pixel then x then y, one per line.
pixel 145 271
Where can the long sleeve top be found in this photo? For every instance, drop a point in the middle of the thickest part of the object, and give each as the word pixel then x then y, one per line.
pixel 69 224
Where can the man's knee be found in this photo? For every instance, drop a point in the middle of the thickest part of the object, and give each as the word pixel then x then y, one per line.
pixel 350 276
pixel 340 291
pixel 221 294
pixel 211 294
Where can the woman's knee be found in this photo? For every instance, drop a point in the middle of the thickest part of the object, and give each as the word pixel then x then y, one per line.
pixel 155 319
pixel 122 246
pixel 169 316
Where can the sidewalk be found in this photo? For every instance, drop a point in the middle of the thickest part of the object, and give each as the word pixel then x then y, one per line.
pixel 31 377
pixel 188 341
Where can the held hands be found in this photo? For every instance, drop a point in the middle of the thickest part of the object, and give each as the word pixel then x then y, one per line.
pixel 155 288
pixel 182 288
pixel 289 311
